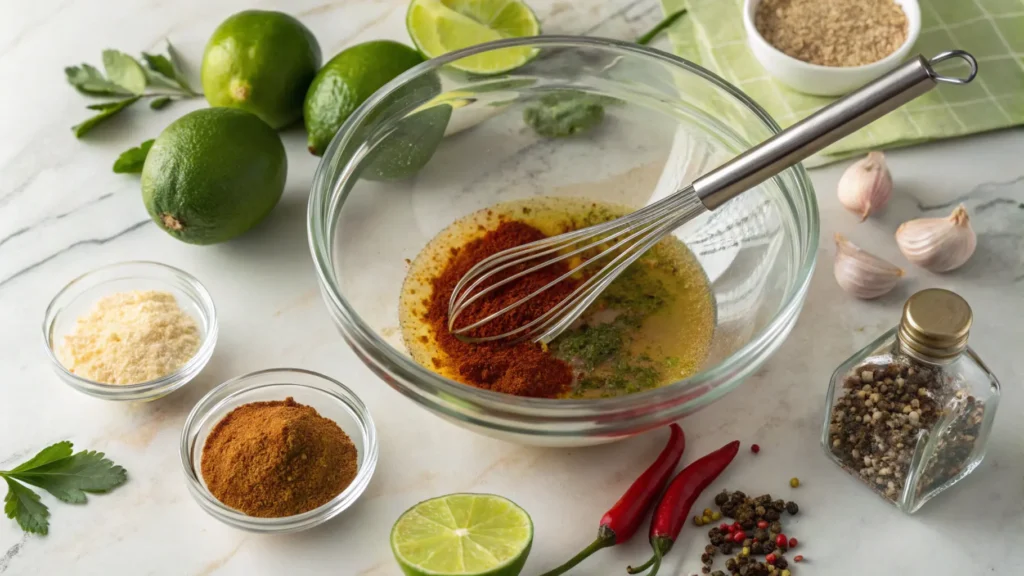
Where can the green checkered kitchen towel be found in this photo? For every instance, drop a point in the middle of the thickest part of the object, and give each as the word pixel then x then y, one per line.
pixel 711 34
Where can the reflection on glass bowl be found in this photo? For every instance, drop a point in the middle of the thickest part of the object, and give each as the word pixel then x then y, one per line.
pixel 665 122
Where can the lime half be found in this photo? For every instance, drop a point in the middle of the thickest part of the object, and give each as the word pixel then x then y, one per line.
pixel 441 26
pixel 463 535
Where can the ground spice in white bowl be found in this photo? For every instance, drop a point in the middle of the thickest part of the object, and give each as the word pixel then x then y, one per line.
pixel 130 338
pixel 838 33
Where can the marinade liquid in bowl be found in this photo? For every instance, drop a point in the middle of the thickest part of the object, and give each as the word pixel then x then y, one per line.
pixel 652 326
pixel 436 149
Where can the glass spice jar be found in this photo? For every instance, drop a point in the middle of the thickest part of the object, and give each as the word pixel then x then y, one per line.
pixel 910 414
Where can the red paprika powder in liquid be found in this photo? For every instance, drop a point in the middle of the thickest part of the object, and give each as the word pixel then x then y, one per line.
pixel 525 368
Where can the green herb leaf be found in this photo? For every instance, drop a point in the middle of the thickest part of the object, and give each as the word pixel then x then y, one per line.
pixel 160 103
pixel 160 81
pixel 23 505
pixel 103 106
pixel 131 161
pixel 124 71
pixel 49 454
pixel 172 52
pixel 564 113
pixel 70 478
pixel 65 475
pixel 88 80
pixel 169 67
pixel 159 63
pixel 107 109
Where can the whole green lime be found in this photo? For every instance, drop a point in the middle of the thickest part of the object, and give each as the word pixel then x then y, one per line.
pixel 262 62
pixel 213 174
pixel 346 81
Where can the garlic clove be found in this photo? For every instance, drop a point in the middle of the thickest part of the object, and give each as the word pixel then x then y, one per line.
pixel 938 244
pixel 861 273
pixel 866 185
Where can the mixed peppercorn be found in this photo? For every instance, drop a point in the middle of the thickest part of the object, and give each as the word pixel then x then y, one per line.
pixel 875 425
pixel 756 530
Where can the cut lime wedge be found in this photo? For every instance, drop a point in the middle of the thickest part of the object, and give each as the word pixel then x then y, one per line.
pixel 463 535
pixel 441 26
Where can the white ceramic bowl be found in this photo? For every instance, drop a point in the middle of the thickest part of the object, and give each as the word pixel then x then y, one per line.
pixel 827 80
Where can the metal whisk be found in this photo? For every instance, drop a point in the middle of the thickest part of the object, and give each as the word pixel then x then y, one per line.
pixel 620 242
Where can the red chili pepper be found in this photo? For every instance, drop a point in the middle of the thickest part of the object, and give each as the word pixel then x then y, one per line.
pixel 621 521
pixel 675 505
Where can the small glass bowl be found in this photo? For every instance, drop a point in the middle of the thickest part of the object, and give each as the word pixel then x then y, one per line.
pixel 82 293
pixel 330 398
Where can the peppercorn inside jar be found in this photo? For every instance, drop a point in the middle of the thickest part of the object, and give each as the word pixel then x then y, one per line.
pixel 909 415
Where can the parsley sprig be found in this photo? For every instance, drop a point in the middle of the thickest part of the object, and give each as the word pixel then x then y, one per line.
pixel 65 475
pixel 156 77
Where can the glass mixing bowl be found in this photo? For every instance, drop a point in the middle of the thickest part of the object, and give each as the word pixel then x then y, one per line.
pixel 379 196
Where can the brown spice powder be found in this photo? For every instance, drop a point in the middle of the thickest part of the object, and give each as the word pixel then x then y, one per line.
pixel 833 32
pixel 275 459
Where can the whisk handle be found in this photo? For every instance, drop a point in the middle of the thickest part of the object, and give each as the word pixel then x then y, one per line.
pixel 810 135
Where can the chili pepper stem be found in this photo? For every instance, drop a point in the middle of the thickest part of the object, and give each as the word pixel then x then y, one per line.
pixel 661 547
pixel 657 563
pixel 604 540
pixel 640 568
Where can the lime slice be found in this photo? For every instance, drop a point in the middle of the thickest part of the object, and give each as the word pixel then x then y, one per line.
pixel 463 535
pixel 441 26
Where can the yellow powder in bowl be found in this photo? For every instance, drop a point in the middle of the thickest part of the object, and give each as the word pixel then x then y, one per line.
pixel 129 338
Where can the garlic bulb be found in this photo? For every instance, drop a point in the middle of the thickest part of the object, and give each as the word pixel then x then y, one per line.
pixel 866 185
pixel 863 274
pixel 938 244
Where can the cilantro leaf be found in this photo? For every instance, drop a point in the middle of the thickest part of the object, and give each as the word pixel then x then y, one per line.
pixel 159 103
pixel 124 71
pixel 131 161
pixel 70 478
pixel 107 109
pixel 23 505
pixel 65 475
pixel 88 80
pixel 46 455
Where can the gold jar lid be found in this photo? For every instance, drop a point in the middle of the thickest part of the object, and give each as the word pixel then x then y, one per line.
pixel 936 323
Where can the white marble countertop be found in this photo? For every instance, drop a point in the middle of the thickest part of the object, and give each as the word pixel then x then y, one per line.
pixel 62 213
